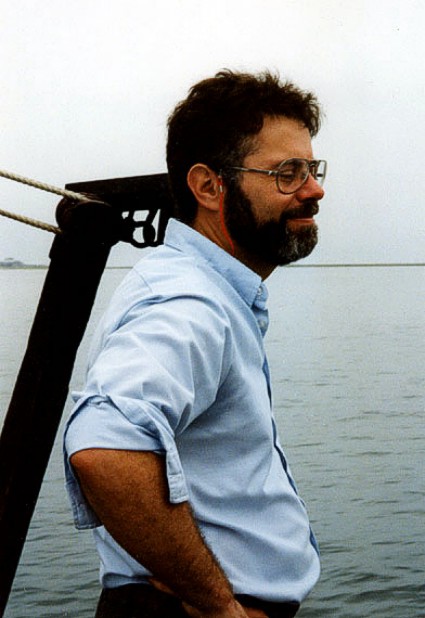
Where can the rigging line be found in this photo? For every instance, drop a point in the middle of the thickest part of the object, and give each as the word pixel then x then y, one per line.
pixel 33 222
pixel 43 186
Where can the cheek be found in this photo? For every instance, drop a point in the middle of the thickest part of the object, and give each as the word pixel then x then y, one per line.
pixel 266 202
pixel 272 208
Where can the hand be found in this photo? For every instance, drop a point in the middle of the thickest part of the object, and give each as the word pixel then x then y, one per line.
pixel 235 610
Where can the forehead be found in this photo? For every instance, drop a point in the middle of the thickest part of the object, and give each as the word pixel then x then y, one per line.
pixel 281 138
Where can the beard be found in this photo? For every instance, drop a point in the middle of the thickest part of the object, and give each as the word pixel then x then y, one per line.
pixel 272 241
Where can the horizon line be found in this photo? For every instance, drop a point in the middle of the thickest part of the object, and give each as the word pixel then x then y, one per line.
pixel 23 265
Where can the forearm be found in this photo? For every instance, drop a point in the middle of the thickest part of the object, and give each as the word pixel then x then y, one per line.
pixel 129 492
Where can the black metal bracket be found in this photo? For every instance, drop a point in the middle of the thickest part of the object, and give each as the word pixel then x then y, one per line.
pixel 131 196
pixel 77 260
pixel 78 257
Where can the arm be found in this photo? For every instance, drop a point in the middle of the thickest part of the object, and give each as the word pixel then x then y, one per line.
pixel 129 492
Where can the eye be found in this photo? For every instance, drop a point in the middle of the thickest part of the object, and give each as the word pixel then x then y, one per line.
pixel 286 177
pixel 291 171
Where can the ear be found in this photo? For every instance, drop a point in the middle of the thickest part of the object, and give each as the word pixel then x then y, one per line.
pixel 205 185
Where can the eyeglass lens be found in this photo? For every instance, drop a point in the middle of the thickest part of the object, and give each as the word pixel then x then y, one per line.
pixel 294 172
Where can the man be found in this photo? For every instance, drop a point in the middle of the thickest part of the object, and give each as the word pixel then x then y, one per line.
pixel 172 449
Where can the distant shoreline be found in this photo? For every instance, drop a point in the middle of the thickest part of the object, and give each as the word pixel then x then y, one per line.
pixel 366 265
pixel 24 267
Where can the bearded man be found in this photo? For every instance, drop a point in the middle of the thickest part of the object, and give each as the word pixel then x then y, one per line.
pixel 172 451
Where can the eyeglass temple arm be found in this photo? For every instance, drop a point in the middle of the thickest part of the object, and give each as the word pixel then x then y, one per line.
pixel 255 170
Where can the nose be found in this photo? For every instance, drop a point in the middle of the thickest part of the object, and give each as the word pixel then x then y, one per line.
pixel 311 189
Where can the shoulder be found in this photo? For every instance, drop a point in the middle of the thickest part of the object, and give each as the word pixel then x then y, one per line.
pixel 169 285
pixel 167 275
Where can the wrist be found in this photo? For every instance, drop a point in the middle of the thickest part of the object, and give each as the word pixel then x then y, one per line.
pixel 220 602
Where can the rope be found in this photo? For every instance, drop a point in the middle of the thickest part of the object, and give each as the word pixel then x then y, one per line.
pixel 43 186
pixel 79 197
pixel 33 222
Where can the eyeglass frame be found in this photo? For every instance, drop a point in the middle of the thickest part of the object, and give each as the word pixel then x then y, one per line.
pixel 311 164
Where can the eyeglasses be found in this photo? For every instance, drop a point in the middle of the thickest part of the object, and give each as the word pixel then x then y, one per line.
pixel 291 174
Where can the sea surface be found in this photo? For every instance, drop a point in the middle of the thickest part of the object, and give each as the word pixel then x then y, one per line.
pixel 346 351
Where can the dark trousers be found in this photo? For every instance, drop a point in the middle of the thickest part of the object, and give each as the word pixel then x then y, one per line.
pixel 143 601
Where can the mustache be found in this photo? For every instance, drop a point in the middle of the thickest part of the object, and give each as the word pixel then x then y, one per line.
pixel 306 210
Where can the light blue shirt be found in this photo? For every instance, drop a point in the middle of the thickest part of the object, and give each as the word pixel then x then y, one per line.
pixel 178 367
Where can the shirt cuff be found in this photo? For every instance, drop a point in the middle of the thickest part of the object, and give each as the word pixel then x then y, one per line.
pixel 99 422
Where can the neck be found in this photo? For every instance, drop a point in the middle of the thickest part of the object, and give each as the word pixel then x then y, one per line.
pixel 263 268
pixel 215 233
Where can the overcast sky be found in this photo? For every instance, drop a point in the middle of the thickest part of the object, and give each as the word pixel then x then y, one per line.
pixel 86 87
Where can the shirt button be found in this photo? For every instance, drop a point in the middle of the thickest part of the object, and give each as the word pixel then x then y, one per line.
pixel 259 291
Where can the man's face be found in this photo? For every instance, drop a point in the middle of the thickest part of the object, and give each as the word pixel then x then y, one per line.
pixel 275 228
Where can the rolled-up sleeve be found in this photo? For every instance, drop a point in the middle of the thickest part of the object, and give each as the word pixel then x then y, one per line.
pixel 156 372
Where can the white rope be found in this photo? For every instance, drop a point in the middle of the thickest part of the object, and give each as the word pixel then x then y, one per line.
pixel 33 222
pixel 79 197
pixel 44 187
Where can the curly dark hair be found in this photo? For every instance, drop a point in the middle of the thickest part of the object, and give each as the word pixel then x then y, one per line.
pixel 217 123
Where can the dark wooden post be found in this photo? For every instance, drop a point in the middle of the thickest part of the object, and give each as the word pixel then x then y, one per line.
pixel 78 258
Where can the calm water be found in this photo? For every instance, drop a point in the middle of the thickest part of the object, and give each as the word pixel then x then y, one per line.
pixel 346 354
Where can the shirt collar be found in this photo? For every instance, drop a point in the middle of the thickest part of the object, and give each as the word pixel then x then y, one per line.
pixel 244 280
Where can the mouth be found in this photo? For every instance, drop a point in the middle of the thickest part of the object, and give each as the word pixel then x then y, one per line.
pixel 304 213
pixel 303 216
pixel 300 221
